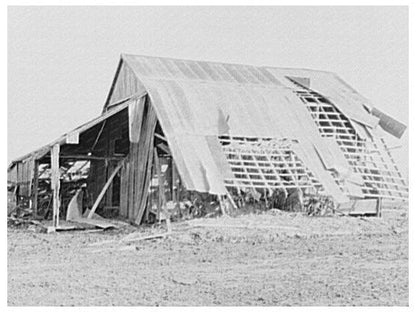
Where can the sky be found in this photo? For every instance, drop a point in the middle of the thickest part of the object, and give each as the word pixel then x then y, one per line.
pixel 61 60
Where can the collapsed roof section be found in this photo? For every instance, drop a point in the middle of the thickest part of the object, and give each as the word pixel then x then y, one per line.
pixel 198 103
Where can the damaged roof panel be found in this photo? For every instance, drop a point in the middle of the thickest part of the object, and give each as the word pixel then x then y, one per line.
pixel 389 124
pixel 189 110
pixel 343 96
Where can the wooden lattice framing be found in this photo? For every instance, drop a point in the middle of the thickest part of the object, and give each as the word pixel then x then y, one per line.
pixel 266 163
pixel 368 157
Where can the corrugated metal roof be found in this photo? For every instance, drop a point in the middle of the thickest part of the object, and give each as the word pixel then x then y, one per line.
pixel 175 69
pixel 343 96
pixel 195 100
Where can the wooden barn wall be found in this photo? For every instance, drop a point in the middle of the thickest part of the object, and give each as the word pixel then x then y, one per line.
pixel 24 176
pixel 125 86
pixel 113 142
pixel 135 175
pixel 12 174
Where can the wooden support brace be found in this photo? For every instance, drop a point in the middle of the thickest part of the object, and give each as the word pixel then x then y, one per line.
pixel 102 193
pixel 222 205
pixel 164 148
pixel 230 198
pixel 175 188
pixel 35 188
pixel 160 137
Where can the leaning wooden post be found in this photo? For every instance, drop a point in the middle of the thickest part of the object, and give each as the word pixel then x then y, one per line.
pixel 35 188
pixel 222 205
pixel 378 213
pixel 159 182
pixel 173 180
pixel 175 189
pixel 55 183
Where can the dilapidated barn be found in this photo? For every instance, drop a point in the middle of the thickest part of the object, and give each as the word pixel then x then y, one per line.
pixel 170 128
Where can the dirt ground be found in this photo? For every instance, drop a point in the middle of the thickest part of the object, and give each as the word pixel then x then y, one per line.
pixel 274 258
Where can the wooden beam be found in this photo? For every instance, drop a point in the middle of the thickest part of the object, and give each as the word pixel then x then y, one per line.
pixel 222 205
pixel 55 183
pixel 164 148
pixel 35 188
pixel 146 171
pixel 175 188
pixel 161 198
pixel 102 193
pixel 124 189
pixel 91 157
pixel 160 137
pixel 98 135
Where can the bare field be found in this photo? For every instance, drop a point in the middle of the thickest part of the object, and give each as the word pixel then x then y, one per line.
pixel 274 258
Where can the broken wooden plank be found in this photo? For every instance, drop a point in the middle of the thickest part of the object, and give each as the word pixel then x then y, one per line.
pixel 102 193
pixel 134 238
pixel 63 228
pixel 145 179
pixel 145 160
pixel 238 226
pixel 95 222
